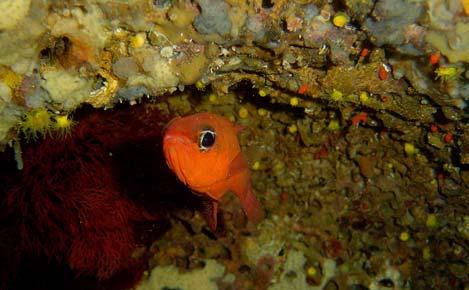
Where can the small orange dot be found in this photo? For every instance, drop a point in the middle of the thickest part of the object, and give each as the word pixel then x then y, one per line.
pixel 302 90
pixel 448 138
pixel 434 58
pixel 365 51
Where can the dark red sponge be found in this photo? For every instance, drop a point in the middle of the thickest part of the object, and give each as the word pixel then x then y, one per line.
pixel 70 199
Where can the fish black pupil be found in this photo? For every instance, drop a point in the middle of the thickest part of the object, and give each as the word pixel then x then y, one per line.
pixel 207 139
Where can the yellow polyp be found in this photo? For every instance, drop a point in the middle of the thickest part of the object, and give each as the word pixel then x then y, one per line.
pixel 292 128
pixel 243 113
pixel 63 124
pixel 426 253
pixel 262 93
pixel 36 122
pixel 336 95
pixel 364 97
pixel 410 149
pixel 261 112
pixel 340 19
pixel 294 101
pixel 404 236
pixel 448 73
pixel 62 121
pixel 212 98
pixel 138 40
pixel 432 221
pixel 311 272
pixel 256 165
pixel 333 125
pixel 199 85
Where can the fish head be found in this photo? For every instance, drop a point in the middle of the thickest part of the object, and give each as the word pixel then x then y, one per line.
pixel 199 149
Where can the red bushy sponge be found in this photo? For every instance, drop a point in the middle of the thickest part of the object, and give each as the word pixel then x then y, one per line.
pixel 68 197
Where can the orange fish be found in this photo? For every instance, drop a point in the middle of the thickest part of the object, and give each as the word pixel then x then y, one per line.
pixel 203 151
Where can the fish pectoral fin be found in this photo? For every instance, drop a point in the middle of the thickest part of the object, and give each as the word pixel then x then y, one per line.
pixel 238 165
pixel 251 206
pixel 240 184
pixel 210 212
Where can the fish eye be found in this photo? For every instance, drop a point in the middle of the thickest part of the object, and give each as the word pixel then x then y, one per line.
pixel 206 139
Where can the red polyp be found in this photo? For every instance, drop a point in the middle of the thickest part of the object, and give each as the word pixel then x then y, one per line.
pixel 364 53
pixel 360 117
pixel 303 89
pixel 448 138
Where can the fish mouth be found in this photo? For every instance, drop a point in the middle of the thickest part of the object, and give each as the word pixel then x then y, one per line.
pixel 172 155
pixel 173 139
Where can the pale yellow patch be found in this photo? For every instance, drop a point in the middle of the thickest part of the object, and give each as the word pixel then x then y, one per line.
pixel 243 113
pixel 294 101
pixel 262 112
pixel 337 95
pixel 404 236
pixel 138 40
pixel 340 19
pixel 292 129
